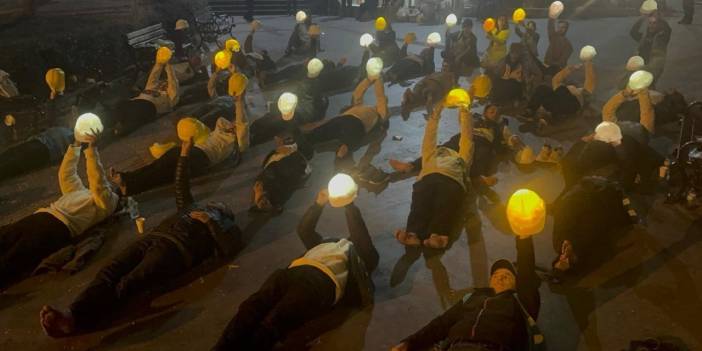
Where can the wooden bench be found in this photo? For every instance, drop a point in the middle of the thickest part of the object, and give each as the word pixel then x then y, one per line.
pixel 144 43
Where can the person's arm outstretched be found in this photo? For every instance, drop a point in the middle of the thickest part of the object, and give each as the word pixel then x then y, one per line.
pixel 465 144
pixel 527 280
pixel 173 88
pixel 99 186
pixel 184 198
pixel 647 112
pixel 307 229
pixel 69 181
pixel 241 124
pixel 430 131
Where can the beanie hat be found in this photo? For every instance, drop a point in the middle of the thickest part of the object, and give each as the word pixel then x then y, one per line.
pixel 502 263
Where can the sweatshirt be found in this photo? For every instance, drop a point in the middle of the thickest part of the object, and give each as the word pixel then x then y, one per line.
pixel 648 115
pixel 331 258
pixel 497 50
pixel 80 208
pixel 369 115
pixel 443 160
pixel 221 142
pixel 163 99
pixel 588 87
pixel 559 47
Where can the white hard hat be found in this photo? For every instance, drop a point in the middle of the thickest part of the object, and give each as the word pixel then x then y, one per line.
pixel 366 40
pixel 640 80
pixel 342 190
pixel 314 67
pixel 374 66
pixel 635 63
pixel 608 132
pixel 85 125
pixel 287 102
pixel 451 20
pixel 434 39
pixel 587 53
pixel 182 24
pixel 555 9
pixel 300 16
pixel 648 7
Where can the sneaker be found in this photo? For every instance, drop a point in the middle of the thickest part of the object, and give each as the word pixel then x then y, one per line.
pixel 545 153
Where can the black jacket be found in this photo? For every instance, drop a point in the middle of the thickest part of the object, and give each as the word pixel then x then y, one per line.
pixel 363 257
pixel 197 241
pixel 487 317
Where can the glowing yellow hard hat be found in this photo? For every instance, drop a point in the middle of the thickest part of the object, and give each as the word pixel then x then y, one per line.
pixel 526 212
pixel 518 15
pixel 457 97
pixel 489 24
pixel 163 55
pixel 223 59
pixel 56 80
pixel 374 67
pixel 287 103
pixel 189 127
pixel 587 53
pixel 232 45
pixel 640 80
pixel 525 156
pixel 237 84
pixel 342 190
pixel 434 39
pixel 381 24
pixel 481 86
pixel 157 149
pixel 555 9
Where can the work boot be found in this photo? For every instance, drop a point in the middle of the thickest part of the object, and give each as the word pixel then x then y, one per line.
pixel 556 155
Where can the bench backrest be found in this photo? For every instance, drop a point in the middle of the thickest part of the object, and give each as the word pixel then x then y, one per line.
pixel 145 36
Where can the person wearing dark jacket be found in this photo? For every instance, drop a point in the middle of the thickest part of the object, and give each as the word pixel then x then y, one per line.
pixel 584 218
pixel 428 91
pixel 653 42
pixel 26 242
pixel 411 66
pixel 285 169
pixel 498 317
pixel 184 240
pixel 385 45
pixel 331 273
pixel 461 51
pixel 508 85
pixel 310 106
pixel 301 43
pixel 41 150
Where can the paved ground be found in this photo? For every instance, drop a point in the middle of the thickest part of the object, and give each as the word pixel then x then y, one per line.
pixel 649 288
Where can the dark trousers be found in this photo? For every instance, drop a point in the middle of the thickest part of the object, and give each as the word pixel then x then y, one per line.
pixel 484 158
pixel 506 91
pixel 22 158
pixel 140 267
pixel 25 243
pixel 291 72
pixel 162 171
pixel 436 206
pixel 403 69
pixel 288 299
pixel 129 115
pixel 689 9
pixel 560 102
pixel 265 128
pixel 346 129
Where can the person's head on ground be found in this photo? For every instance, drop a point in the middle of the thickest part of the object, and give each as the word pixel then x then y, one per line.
pixel 503 276
pixel 491 112
pixel 608 132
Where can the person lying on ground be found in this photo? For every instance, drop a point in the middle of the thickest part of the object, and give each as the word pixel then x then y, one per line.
pixel 410 65
pixel 385 45
pixel 285 169
pixel 333 273
pixel 584 219
pixel 38 151
pixel 441 186
pixel 562 100
pixel 428 91
pixel 26 242
pixel 499 317
pixel 356 126
pixel 491 136
pixel 310 105
pixel 185 239
pixel 158 98
pixel 228 140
